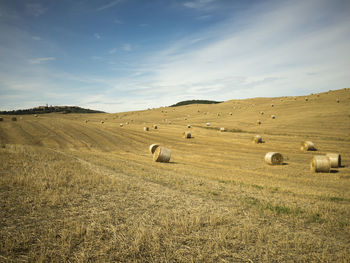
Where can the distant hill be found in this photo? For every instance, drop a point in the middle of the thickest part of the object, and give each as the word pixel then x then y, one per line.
pixel 188 102
pixel 49 109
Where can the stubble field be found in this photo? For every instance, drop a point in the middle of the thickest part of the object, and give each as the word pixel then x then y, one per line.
pixel 77 191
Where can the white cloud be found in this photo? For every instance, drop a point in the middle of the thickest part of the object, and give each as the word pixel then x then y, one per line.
pixel 109 5
pixel 41 60
pixel 112 51
pixel 36 38
pixel 200 4
pixel 97 36
pixel 35 9
pixel 127 47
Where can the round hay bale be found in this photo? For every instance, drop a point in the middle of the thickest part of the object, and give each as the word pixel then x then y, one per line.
pixel 127 123
pixel 306 99
pixel 35 115
pixel 86 121
pixel 307 146
pixel 162 154
pixel 185 119
pixel 230 113
pixel 320 163
pixel 102 122
pixel 187 135
pixel 335 159
pixel 338 100
pixel 153 147
pixel 145 128
pixel 169 122
pixel 258 122
pixel 273 117
pixel 257 139
pixel 13 119
pixel 1 119
pixel 261 112
pixel 121 125
pixel 188 126
pixel 155 127
pixel 272 105
pixel 222 129
pixel 274 158
pixel 208 124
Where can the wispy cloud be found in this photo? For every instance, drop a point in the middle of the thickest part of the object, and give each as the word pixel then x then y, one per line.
pixel 35 9
pixel 200 4
pixel 112 51
pixel 127 47
pixel 36 38
pixel 41 60
pixel 97 36
pixel 109 5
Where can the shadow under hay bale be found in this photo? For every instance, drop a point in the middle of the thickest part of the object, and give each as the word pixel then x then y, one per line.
pixel 307 146
pixel 153 147
pixel 187 135
pixel 257 139
pixel 274 158
pixel 273 117
pixel 335 159
pixel 188 126
pixel 155 127
pixel 162 154
pixel 320 164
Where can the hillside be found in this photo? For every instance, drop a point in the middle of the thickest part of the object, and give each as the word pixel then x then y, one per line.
pixel 75 189
pixel 50 109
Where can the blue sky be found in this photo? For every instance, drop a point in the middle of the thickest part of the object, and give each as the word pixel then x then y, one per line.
pixel 121 55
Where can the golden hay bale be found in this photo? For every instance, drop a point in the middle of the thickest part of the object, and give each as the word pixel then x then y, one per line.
pixel 185 119
pixel 35 115
pixel 1 119
pixel 261 112
pixel 230 113
pixel 320 163
pixel 155 127
pixel 187 135
pixel 127 123
pixel 162 154
pixel 306 99
pixel 258 122
pixel 274 158
pixel 121 125
pixel 86 121
pixel 188 126
pixel 102 122
pixel 338 100
pixel 208 124
pixel 307 146
pixel 222 129
pixel 169 122
pixel 273 117
pixel 257 139
pixel 272 105
pixel 145 128
pixel 13 119
pixel 153 147
pixel 335 159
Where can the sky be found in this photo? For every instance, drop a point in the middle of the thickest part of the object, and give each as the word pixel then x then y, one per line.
pixel 124 55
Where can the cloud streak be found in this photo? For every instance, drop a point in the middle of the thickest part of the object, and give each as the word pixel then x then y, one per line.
pixel 109 5
pixel 41 60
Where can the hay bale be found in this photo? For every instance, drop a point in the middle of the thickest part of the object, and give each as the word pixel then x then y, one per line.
pixel 222 129
pixel 1 119
pixel 272 105
pixel 127 123
pixel 35 115
pixel 187 135
pixel 188 126
pixel 258 122
pixel 335 159
pixel 155 127
pixel 230 113
pixel 153 147
pixel 208 124
pixel 306 99
pixel 121 125
pixel 274 158
pixel 86 121
pixel 273 117
pixel 257 139
pixel 320 163
pixel 146 128
pixel 185 119
pixel 102 122
pixel 162 154
pixel 307 146
pixel 261 112
pixel 13 119
pixel 338 100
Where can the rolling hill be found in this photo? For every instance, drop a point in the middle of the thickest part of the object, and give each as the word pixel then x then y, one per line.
pixel 80 187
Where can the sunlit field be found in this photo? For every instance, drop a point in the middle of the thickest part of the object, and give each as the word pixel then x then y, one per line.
pixel 74 189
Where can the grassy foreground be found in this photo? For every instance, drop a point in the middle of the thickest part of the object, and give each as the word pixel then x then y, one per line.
pixel 77 191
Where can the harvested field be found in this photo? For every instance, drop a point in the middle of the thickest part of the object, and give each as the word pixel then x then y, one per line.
pixel 84 192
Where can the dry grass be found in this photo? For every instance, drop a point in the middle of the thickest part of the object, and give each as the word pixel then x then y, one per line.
pixel 85 192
